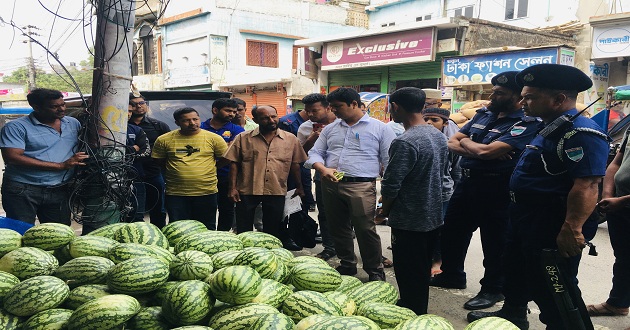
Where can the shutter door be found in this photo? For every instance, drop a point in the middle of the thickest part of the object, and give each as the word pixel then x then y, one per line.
pixel 249 101
pixel 271 97
pixel 363 76
pixel 412 71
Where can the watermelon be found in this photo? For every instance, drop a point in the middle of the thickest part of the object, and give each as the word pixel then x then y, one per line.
pixel 9 321
pixel 63 254
pixel 309 321
pixel 193 327
pixel 125 251
pixel 346 323
pixel 187 302
pixel 138 275
pixel 306 303
pixel 107 230
pixel 191 265
pixel 175 230
pixel 348 283
pixel 224 258
pixel 283 254
pixel 385 315
pixel 235 284
pixel 142 233
pixel 491 322
pixel 148 318
pixel 259 239
pixel 160 292
pixel 347 305
pixel 9 241
pixel 106 312
pixel 35 295
pixel 273 322
pixel 314 277
pixel 240 317
pixel 48 236
pixel 7 282
pixel 260 259
pixel 209 242
pixel 272 293
pixel 85 270
pixel 306 259
pixel 84 246
pixel 82 294
pixel 26 262
pixel 375 291
pixel 281 274
pixel 426 321
pixel 50 319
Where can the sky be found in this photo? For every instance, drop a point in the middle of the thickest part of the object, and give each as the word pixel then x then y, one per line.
pixel 66 37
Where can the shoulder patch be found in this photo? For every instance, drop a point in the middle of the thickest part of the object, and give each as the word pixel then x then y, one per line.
pixel 575 154
pixel 517 130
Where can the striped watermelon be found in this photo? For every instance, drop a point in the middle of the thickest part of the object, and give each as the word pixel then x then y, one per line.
pixel 260 259
pixel 193 327
pixel 148 318
pixel 63 254
pixel 346 323
pixel 106 312
pixel 84 246
pixel 187 303
pixel 273 322
pixel 85 270
pixel 283 254
pixel 240 317
pixel 385 315
pixel 107 230
pixel 35 295
pixel 191 265
pixel 259 239
pixel 224 258
pixel 348 283
pixel 281 274
pixel 175 230
pixel 347 305
pixel 491 322
pixel 48 236
pixel 9 321
pixel 26 262
pixel 375 291
pixel 272 293
pixel 125 251
pixel 50 319
pixel 137 275
pixel 82 294
pixel 314 277
pixel 7 282
pixel 426 321
pixel 160 293
pixel 305 259
pixel 142 233
pixel 235 284
pixel 9 241
pixel 209 242
pixel 306 303
pixel 309 321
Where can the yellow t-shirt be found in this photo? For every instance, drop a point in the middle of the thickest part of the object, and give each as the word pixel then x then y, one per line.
pixel 190 162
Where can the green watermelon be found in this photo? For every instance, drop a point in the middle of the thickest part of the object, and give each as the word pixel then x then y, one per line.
pixel 347 305
pixel 85 270
pixel 375 291
pixel 348 283
pixel 9 321
pixel 107 230
pixel 315 277
pixel 35 295
pixel 175 230
pixel 385 315
pixel 283 254
pixel 306 259
pixel 82 294
pixel 125 251
pixel 281 274
pixel 148 318
pixel 193 327
pixel 273 322
pixel 209 242
pixel 9 241
pixel 106 312
pixel 426 321
pixel 160 292
pixel 306 303
pixel 309 321
pixel 138 275
pixel 262 260
pixel 259 239
pixel 240 317
pixel 26 262
pixel 346 323
pixel 224 258
pixel 63 254
pixel 85 246
pixel 187 302
pixel 493 323
pixel 272 293
pixel 7 282
pixel 48 236
pixel 50 319
pixel 191 265
pixel 142 233
pixel 235 284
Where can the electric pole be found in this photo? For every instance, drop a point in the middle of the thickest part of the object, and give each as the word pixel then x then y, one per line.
pixel 32 74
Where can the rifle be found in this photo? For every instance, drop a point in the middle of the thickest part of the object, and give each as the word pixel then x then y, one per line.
pixel 562 122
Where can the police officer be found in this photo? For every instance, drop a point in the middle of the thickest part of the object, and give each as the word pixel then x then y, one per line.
pixel 489 145
pixel 554 190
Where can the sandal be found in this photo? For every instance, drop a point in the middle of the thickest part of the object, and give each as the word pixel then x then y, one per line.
pixel 605 309
pixel 326 255
pixel 387 263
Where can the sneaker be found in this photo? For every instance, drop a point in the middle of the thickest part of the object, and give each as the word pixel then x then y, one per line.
pixel 442 281
pixel 346 270
pixel 376 275
pixel 326 255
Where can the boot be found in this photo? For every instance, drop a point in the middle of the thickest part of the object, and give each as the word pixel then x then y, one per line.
pixel 514 314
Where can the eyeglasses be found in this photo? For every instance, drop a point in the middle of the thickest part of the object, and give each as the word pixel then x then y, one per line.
pixel 134 104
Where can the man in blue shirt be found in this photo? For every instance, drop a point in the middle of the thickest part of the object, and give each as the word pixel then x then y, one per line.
pixel 40 153
pixel 138 148
pixel 358 146
pixel 223 111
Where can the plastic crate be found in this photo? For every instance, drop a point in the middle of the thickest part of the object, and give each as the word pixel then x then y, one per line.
pixel 17 225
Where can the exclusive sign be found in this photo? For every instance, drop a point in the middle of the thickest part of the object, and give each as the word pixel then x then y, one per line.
pixel 385 49
pixel 611 41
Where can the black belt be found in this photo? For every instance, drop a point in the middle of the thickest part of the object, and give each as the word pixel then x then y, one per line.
pixel 524 198
pixel 473 173
pixel 356 179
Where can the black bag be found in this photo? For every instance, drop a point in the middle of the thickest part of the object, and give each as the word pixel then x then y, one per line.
pixel 302 229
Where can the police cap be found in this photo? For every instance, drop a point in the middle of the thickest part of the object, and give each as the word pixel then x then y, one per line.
pixel 554 76
pixel 507 79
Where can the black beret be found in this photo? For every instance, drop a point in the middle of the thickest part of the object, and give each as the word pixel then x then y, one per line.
pixel 554 76
pixel 443 113
pixel 507 79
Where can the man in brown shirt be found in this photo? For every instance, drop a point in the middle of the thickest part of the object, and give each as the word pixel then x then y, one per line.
pixel 261 162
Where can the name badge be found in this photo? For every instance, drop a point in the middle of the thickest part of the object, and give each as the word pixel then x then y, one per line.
pixel 478 126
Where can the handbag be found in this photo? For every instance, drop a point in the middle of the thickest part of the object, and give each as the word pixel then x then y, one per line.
pixel 302 229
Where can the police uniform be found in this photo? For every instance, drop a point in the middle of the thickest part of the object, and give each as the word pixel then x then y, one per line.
pixel 540 186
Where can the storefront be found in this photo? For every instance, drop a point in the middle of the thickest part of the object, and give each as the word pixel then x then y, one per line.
pixel 275 97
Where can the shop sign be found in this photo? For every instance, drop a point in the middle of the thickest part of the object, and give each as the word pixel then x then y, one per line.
pixel 385 49
pixel 479 69
pixel 306 63
pixel 611 41
pixel 187 76
pixel 599 74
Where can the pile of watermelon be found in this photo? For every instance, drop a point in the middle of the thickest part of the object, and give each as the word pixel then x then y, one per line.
pixel 136 276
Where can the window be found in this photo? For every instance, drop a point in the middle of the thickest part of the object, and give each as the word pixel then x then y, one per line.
pixel 464 11
pixel 515 9
pixel 146 35
pixel 262 53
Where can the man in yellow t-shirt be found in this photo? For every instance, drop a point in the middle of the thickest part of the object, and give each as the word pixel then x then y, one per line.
pixel 189 157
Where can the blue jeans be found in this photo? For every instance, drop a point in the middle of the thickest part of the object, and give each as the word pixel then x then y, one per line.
pixel 23 202
pixel 200 208
pixel 618 228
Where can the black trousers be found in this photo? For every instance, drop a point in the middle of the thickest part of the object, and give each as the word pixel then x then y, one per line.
pixel 273 210
pixel 225 205
pixel 413 254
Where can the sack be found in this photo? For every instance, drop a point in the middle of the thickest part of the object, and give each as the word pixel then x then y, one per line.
pixel 302 229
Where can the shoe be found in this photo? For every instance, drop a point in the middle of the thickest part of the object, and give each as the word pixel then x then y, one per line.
pixel 387 263
pixel 605 309
pixel 326 255
pixel 290 245
pixel 346 270
pixel 483 300
pixel 516 315
pixel 376 276
pixel 442 282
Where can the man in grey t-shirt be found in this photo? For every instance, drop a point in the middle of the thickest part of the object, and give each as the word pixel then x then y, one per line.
pixel 412 196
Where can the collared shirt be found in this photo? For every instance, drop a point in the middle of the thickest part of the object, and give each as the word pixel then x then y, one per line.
pixel 291 122
pixel 358 150
pixel 153 128
pixel 42 142
pixel 264 166
pixel 228 132
pixel 515 129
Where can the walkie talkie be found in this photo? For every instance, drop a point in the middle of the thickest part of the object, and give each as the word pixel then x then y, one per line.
pixel 562 122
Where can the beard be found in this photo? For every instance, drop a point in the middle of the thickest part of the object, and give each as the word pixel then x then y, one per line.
pixel 499 106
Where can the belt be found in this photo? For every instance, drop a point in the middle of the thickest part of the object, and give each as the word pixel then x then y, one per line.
pixel 356 179
pixel 473 173
pixel 521 198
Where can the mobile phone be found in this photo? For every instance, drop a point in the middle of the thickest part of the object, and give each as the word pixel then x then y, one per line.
pixel 317 126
